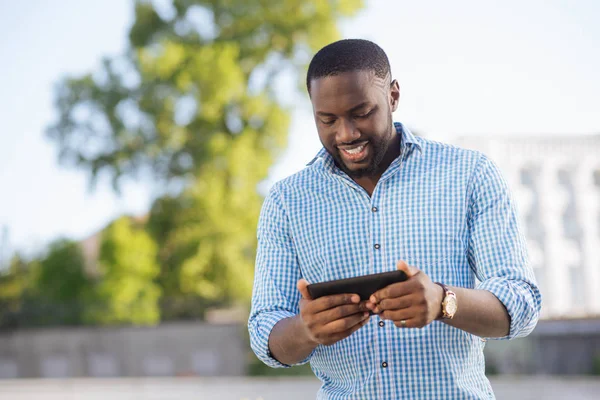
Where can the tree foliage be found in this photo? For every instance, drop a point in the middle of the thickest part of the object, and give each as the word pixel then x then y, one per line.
pixel 60 276
pixel 196 99
pixel 13 285
pixel 191 86
pixel 53 289
pixel 126 291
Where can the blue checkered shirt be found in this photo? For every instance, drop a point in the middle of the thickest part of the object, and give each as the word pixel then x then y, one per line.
pixel 443 209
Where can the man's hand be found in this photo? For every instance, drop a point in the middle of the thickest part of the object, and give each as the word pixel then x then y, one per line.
pixel 330 319
pixel 413 303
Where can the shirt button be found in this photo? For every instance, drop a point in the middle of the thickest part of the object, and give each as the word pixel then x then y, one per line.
pixel 374 209
pixel 381 323
pixel 384 364
pixel 377 246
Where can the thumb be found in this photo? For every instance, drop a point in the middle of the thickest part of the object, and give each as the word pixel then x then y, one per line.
pixel 403 266
pixel 302 286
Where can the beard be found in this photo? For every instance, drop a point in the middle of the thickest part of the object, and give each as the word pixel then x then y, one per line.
pixel 379 149
pixel 380 144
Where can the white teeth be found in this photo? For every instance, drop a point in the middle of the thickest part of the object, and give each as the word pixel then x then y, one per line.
pixel 355 150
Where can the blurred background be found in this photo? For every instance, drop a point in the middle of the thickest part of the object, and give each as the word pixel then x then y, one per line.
pixel 139 138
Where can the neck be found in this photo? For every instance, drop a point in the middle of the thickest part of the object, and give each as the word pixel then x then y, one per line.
pixel 368 183
pixel 393 151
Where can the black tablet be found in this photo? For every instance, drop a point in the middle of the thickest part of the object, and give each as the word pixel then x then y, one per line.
pixel 364 285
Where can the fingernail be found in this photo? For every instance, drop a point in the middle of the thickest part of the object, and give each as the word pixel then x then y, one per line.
pixel 355 299
pixel 365 315
pixel 373 299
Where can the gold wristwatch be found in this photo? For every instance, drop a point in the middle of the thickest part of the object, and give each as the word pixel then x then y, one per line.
pixel 449 302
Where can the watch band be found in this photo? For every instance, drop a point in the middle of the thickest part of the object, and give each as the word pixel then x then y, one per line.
pixel 444 287
pixel 447 293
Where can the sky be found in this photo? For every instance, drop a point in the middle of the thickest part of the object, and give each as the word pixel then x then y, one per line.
pixel 465 67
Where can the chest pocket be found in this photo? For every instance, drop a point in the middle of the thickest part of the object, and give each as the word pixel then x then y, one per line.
pixel 425 250
pixel 431 243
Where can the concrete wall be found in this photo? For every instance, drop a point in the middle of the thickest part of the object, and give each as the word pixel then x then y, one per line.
pixel 553 348
pixel 197 349
pixel 179 349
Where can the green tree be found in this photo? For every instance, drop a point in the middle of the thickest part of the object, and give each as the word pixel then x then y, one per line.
pixel 126 291
pixel 13 285
pixel 59 286
pixel 61 274
pixel 196 100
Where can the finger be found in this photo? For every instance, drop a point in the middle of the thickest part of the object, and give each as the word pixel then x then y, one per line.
pixel 363 305
pixel 336 337
pixel 398 315
pixel 396 303
pixel 408 269
pixel 355 327
pixel 340 312
pixel 391 291
pixel 407 323
pixel 396 289
pixel 336 300
pixel 302 286
pixel 414 322
pixel 345 324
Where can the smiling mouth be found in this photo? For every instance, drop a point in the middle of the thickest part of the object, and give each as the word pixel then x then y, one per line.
pixel 354 153
pixel 355 150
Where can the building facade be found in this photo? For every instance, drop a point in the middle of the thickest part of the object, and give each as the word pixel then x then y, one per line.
pixel 556 183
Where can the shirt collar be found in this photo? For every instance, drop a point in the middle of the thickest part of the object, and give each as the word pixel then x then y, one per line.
pixel 408 142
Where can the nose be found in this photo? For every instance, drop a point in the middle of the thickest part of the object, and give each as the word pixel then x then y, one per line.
pixel 347 132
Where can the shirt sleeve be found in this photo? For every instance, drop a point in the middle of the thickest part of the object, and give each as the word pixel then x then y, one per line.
pixel 275 295
pixel 497 250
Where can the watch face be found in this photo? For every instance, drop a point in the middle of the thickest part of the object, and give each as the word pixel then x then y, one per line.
pixel 451 306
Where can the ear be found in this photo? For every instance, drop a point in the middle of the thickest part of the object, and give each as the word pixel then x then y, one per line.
pixel 394 95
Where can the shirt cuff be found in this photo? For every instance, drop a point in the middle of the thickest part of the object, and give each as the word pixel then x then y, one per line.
pixel 260 330
pixel 522 319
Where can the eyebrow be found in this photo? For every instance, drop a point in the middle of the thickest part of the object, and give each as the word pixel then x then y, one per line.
pixel 353 109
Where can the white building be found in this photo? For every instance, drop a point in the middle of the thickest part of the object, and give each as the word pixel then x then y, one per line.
pixel 556 182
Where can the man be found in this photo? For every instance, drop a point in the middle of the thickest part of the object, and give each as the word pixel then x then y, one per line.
pixel 376 198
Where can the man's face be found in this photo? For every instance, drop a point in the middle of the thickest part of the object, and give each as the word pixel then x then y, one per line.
pixel 353 113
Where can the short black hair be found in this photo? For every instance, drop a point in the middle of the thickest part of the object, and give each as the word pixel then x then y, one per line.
pixel 348 55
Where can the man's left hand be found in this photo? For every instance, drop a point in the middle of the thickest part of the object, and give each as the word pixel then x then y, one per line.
pixel 413 303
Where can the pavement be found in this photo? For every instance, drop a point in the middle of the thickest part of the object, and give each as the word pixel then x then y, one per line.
pixel 246 388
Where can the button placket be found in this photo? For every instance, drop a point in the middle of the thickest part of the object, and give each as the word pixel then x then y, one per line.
pixel 376 222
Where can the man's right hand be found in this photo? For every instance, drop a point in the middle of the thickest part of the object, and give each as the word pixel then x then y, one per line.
pixel 329 319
